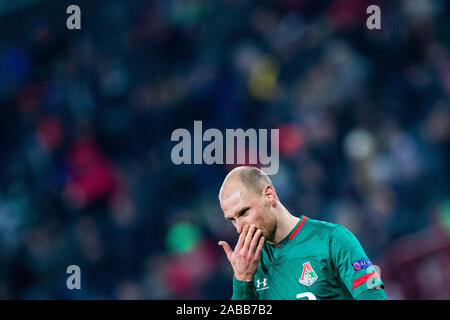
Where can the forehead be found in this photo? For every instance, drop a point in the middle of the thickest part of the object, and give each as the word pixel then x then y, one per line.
pixel 233 201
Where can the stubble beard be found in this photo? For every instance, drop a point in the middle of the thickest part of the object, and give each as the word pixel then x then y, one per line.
pixel 269 229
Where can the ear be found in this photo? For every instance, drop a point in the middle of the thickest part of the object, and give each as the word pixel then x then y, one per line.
pixel 269 194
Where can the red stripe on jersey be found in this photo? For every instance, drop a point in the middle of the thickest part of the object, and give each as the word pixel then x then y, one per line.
pixel 364 278
pixel 298 228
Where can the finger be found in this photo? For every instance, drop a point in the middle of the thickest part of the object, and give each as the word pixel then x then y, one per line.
pixel 255 241
pixel 226 247
pixel 259 248
pixel 249 237
pixel 240 243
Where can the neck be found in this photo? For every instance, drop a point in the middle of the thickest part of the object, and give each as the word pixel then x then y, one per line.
pixel 285 222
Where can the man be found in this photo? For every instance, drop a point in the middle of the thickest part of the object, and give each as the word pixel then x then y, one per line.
pixel 280 256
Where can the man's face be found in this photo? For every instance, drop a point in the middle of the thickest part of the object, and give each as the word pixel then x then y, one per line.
pixel 243 207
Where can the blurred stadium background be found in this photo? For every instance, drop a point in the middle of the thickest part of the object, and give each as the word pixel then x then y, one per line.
pixel 86 118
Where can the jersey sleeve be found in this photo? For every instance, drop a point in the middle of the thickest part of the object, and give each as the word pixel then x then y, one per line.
pixel 377 294
pixel 243 290
pixel 353 267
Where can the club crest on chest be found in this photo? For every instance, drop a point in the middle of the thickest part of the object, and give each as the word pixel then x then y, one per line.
pixel 309 276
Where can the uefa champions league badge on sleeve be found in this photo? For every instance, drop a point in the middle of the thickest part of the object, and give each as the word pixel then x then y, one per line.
pixel 361 264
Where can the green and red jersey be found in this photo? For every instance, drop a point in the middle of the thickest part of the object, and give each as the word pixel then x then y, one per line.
pixel 316 260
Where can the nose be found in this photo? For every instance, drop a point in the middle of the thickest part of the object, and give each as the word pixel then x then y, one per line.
pixel 239 226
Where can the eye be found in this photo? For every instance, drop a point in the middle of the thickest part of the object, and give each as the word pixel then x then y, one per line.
pixel 244 211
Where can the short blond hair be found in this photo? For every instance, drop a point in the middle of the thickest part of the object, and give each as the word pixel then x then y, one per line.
pixel 252 178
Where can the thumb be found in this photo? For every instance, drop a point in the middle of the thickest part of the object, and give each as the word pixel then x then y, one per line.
pixel 227 249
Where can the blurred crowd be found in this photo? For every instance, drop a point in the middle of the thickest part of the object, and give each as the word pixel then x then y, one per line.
pixel 86 118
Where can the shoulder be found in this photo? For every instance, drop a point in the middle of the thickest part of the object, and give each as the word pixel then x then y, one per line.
pixel 332 230
pixel 322 226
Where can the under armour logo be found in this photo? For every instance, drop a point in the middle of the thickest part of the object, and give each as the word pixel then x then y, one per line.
pixel 263 283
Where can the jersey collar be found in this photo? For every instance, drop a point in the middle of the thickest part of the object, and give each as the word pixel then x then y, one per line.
pixel 291 234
